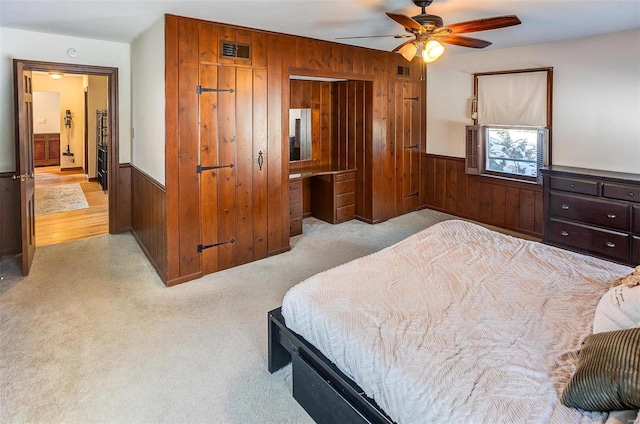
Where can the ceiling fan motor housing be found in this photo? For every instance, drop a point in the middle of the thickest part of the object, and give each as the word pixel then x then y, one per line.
pixel 429 21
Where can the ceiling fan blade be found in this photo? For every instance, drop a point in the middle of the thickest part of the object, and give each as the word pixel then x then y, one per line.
pixel 459 40
pixel 408 49
pixel 376 36
pixel 483 24
pixel 409 23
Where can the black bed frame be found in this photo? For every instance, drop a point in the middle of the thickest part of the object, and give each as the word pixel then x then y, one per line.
pixel 326 393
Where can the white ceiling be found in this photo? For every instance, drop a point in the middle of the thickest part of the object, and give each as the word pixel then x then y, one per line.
pixel 122 20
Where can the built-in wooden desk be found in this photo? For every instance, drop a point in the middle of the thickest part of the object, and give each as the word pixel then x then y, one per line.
pixel 333 195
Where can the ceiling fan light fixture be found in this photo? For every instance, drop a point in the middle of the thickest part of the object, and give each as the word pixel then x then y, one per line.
pixel 432 51
pixel 408 51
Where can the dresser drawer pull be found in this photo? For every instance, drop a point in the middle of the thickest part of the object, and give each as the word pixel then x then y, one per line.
pixel 610 244
pixel 631 193
pixel 565 207
pixel 564 234
pixel 611 215
pixel 572 185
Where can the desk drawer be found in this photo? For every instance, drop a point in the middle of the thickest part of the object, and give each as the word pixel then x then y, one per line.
pixel 574 185
pixel 295 227
pixel 636 220
pixel 345 176
pixel 295 196
pixel 622 191
pixel 606 243
pixel 343 187
pixel 345 213
pixel 594 211
pixel 345 199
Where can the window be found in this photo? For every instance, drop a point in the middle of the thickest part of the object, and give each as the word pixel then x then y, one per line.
pixel 513 116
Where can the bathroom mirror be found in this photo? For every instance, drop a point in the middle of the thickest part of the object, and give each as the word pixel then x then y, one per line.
pixel 299 134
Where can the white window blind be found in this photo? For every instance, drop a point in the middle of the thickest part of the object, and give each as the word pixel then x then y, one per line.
pixel 513 99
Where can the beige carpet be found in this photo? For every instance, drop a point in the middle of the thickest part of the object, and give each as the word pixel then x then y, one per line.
pixel 93 336
pixel 59 198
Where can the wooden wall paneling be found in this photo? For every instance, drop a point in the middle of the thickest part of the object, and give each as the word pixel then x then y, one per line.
pixel 417 116
pixel 188 191
pixel 356 55
pixel 486 200
pixel 349 158
pixel 527 209
pixel 440 184
pixel 149 219
pixel 451 188
pixel 244 183
pixel 328 141
pixel 512 207
pixel 260 168
pixel 336 55
pixel 209 43
pixel 498 205
pixel 396 141
pixel 209 178
pixel 259 50
pixel 172 64
pixel 317 56
pixel 288 55
pixel 538 226
pixel 226 33
pixel 382 166
pixel 303 53
pixel 278 101
pixel 227 177
pixel 10 235
pixel 429 179
pixel 342 113
pixel 317 132
pixel 124 197
pixel 461 188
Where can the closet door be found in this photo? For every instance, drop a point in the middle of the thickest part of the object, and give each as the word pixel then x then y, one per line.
pixel 407 135
pixel 233 166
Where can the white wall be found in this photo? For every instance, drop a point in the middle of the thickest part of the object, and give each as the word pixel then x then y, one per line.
pixel 148 102
pixel 46 112
pixel 97 99
pixel 28 45
pixel 596 98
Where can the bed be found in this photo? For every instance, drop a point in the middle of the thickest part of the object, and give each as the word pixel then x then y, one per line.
pixel 456 323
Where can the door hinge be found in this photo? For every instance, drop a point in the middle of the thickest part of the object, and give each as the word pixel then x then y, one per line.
pixel 202 247
pixel 412 194
pixel 415 146
pixel 412 98
pixel 200 89
pixel 201 168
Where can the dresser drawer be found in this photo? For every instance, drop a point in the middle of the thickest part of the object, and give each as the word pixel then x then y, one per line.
pixel 636 219
pixel 592 188
pixel 295 184
pixel 295 227
pixel 345 176
pixel 295 196
pixel 345 199
pixel 635 260
pixel 343 187
pixel 594 211
pixel 606 243
pixel 345 213
pixel 622 192
pixel 295 211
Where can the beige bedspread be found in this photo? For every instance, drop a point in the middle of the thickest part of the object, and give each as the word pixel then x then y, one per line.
pixel 457 324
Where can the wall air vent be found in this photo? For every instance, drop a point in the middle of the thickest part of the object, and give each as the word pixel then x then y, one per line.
pixel 403 71
pixel 235 50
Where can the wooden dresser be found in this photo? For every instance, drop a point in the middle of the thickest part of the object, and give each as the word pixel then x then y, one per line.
pixel 333 196
pixel 295 207
pixel 46 149
pixel 593 212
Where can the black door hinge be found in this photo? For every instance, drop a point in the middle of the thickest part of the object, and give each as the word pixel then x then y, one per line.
pixel 202 247
pixel 200 89
pixel 201 168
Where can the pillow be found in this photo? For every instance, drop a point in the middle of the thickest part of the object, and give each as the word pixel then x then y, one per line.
pixel 618 309
pixel 607 376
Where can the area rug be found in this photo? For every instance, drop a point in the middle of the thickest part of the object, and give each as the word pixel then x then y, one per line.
pixel 59 198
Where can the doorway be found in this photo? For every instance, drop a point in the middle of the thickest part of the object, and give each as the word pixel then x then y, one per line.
pixel 69 116
pixel 24 120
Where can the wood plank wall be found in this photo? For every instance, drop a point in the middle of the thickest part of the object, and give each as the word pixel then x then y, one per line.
pixel 10 239
pixel 149 218
pixel 191 43
pixel 512 205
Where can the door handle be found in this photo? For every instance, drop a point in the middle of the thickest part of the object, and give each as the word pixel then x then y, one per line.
pixel 22 177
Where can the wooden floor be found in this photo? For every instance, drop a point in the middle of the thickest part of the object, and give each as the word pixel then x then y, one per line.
pixel 77 224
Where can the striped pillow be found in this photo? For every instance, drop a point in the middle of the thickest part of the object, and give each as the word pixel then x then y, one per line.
pixel 607 377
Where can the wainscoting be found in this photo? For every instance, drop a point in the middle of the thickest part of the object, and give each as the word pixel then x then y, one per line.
pixel 507 204
pixel 149 219
pixel 10 240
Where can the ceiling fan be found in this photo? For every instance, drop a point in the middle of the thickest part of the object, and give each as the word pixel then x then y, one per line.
pixel 428 32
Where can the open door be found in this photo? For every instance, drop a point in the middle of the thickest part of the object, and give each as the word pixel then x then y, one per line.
pixel 24 161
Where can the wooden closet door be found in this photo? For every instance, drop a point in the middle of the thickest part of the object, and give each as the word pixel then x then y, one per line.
pixel 406 130
pixel 233 166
